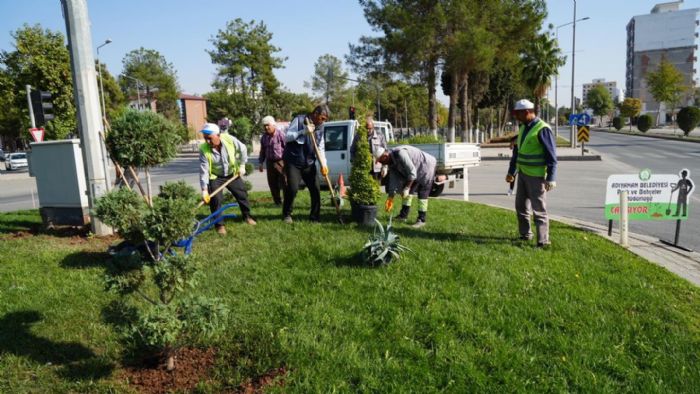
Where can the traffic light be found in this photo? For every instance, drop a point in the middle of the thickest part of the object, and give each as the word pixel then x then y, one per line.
pixel 352 112
pixel 42 106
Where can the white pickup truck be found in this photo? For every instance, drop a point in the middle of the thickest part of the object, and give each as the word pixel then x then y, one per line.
pixel 453 159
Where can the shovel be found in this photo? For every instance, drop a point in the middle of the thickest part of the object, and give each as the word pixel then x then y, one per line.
pixel 328 180
pixel 219 189
pixel 668 209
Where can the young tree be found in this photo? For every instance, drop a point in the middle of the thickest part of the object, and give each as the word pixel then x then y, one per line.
pixel 599 101
pixel 158 76
pixel 630 108
pixel 666 85
pixel 541 60
pixel 688 119
pixel 40 59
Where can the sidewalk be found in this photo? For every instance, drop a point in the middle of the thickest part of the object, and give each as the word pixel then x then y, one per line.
pixel 664 134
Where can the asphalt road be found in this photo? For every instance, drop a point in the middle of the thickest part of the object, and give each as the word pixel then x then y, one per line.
pixel 580 192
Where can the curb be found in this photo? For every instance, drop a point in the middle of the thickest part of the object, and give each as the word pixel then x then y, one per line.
pixel 657 136
pixel 559 158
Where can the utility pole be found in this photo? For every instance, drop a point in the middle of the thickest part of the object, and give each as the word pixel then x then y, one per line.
pixel 87 103
pixel 31 107
pixel 573 69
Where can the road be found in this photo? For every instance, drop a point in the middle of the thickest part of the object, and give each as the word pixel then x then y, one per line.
pixel 580 193
pixel 581 185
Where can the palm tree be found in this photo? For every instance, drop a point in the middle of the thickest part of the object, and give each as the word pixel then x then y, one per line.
pixel 541 60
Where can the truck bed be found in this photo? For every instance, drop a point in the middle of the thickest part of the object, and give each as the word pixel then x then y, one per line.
pixel 453 155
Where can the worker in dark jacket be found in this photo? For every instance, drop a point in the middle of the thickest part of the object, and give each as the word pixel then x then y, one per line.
pixel 300 160
pixel 411 171
pixel 534 161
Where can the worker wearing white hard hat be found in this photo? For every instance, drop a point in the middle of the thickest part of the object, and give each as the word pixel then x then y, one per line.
pixel 534 161
pixel 222 157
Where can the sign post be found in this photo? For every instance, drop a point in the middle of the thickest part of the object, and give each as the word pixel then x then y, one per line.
pixel 583 136
pixel 651 197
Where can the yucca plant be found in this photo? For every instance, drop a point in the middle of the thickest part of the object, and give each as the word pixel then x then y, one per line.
pixel 383 246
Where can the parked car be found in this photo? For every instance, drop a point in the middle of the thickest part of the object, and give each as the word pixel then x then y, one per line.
pixel 16 161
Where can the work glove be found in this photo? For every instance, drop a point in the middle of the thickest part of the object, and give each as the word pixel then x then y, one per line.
pixel 405 193
pixel 389 204
pixel 260 168
pixel 510 178
pixel 241 170
pixel 324 170
pixel 385 170
pixel 309 126
pixel 550 185
pixel 205 196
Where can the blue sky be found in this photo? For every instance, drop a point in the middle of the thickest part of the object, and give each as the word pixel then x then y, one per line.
pixel 304 30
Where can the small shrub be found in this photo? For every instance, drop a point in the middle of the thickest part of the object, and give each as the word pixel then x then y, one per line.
pixel 420 139
pixel 179 190
pixel 617 123
pixel 123 210
pixel 644 122
pixel 364 188
pixel 688 119
pixel 383 246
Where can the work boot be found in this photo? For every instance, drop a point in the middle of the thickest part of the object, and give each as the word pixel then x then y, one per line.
pixel 221 230
pixel 403 215
pixel 288 220
pixel 250 220
pixel 421 220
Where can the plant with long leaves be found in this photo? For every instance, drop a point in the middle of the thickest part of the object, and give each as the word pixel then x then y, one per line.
pixel 383 246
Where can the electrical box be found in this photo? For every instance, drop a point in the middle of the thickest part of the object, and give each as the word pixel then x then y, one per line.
pixel 60 181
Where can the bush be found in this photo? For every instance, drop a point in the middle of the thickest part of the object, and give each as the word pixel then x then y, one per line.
pixel 644 122
pixel 142 139
pixel 364 189
pixel 242 128
pixel 617 123
pixel 420 139
pixel 123 210
pixel 688 119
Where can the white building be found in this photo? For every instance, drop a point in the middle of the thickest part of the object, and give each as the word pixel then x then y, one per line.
pixel 666 33
pixel 611 86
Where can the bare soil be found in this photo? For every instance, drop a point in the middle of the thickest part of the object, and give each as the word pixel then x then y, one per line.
pixel 191 367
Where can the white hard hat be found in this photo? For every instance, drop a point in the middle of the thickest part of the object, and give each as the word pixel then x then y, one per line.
pixel 210 129
pixel 268 120
pixel 378 152
pixel 523 104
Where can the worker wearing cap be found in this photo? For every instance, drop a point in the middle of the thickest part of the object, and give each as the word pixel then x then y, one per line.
pixel 221 157
pixel 300 160
pixel 534 160
pixel 411 171
pixel 375 140
pixel 271 150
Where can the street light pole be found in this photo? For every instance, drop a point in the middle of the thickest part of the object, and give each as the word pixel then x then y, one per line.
pixel 99 71
pixel 138 94
pixel 573 70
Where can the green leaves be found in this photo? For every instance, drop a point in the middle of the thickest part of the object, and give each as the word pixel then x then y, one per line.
pixel 599 100
pixel 688 119
pixel 123 210
pixel 364 189
pixel 154 73
pixel 383 246
pixel 142 139
pixel 666 83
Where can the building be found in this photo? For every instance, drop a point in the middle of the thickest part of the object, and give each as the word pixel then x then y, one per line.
pixel 193 112
pixel 666 33
pixel 615 92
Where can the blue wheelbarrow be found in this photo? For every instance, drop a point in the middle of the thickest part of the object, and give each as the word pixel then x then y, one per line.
pixel 205 224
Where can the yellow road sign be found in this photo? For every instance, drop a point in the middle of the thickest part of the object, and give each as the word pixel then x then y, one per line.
pixel 583 134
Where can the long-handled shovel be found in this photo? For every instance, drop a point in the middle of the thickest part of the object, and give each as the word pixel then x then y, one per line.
pixel 668 209
pixel 328 181
pixel 219 189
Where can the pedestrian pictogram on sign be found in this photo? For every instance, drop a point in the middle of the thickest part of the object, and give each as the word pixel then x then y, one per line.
pixel 583 134
pixel 37 134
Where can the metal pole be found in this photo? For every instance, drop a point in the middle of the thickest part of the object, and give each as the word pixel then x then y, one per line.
pixel 624 220
pixel 87 104
pixel 573 69
pixel 29 102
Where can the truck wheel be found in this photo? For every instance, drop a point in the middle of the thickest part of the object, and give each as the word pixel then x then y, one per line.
pixel 437 190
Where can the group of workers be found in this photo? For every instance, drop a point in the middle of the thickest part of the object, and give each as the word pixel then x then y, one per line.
pixel 289 154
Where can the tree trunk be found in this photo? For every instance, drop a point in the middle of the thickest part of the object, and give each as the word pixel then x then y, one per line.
pixel 171 363
pixel 148 186
pixel 454 96
pixel 464 111
pixel 432 99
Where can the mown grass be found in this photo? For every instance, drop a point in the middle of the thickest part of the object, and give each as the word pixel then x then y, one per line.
pixel 471 309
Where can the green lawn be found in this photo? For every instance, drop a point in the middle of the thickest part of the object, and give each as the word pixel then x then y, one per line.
pixel 470 310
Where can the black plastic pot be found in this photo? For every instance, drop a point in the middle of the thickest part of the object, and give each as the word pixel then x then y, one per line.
pixel 364 215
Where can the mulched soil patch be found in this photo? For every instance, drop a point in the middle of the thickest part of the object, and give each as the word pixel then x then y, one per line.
pixel 191 367
pixel 273 377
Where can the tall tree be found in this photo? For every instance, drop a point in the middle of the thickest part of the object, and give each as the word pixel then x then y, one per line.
pixel 666 85
pixel 246 60
pixel 541 60
pixel 329 80
pixel 630 108
pixel 40 59
pixel 113 96
pixel 600 101
pixel 158 76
